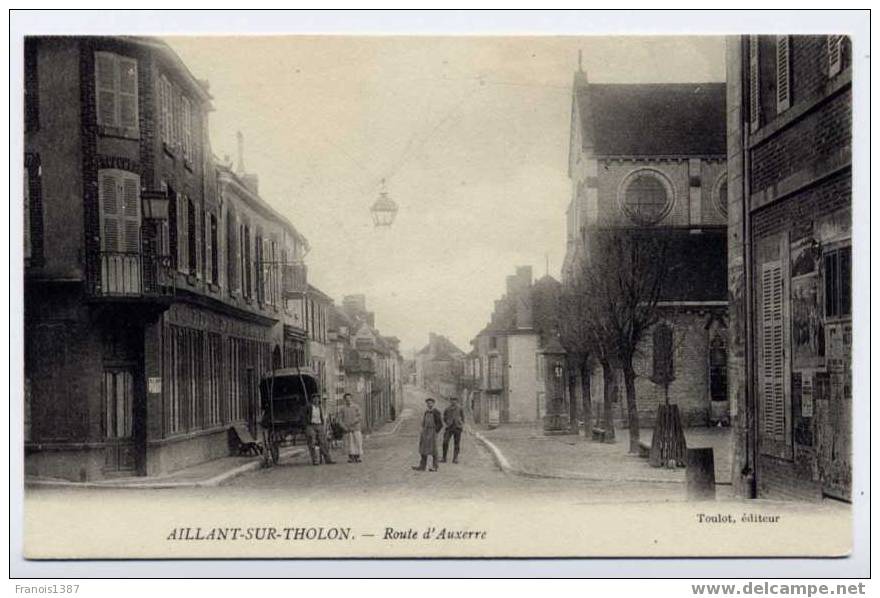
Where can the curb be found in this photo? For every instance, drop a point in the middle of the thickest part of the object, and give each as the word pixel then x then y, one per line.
pixel 160 483
pixel 505 466
pixel 405 414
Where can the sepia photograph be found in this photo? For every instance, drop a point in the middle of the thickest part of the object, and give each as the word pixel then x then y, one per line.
pixel 310 296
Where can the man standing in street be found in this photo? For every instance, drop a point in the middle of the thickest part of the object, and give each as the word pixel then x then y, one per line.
pixel 316 435
pixel 351 423
pixel 453 417
pixel 431 424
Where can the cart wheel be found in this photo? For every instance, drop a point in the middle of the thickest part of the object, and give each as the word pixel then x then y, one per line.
pixel 273 448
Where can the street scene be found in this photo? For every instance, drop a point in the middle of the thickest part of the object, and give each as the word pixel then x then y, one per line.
pixel 500 279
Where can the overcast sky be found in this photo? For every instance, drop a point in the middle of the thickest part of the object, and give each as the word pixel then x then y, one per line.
pixel 470 133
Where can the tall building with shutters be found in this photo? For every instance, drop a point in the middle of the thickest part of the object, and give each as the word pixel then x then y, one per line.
pixel 156 279
pixel 790 263
pixel 650 159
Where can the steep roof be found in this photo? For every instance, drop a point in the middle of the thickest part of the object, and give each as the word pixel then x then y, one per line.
pixel 653 119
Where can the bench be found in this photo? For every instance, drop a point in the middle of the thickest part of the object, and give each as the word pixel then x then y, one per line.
pixel 243 442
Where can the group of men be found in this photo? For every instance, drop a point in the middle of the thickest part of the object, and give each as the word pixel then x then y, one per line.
pixel 451 422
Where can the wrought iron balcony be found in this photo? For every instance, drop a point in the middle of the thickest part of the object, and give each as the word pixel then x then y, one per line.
pixel 131 274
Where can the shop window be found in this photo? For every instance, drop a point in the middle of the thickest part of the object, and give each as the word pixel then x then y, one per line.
pixel 838 283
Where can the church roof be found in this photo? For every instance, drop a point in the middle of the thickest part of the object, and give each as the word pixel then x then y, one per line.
pixel 653 119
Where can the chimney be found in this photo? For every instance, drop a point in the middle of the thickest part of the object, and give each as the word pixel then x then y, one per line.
pixel 371 319
pixel 239 168
pixel 252 182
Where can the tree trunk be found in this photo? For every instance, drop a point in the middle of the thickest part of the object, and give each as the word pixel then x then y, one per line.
pixel 572 392
pixel 573 410
pixel 609 389
pixel 632 408
pixel 586 399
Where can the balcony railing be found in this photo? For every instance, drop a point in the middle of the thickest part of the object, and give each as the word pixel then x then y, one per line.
pixel 132 274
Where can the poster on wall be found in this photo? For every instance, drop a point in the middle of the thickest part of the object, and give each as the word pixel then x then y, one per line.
pixel 807 329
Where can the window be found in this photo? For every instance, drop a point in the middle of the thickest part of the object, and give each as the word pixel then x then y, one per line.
pixel 493 342
pixel 647 196
pixel 718 367
pixel 182 233
pixel 259 281
pixel 721 195
pixel 213 270
pixel 834 45
pixel 232 245
pixel 772 349
pixel 215 373
pixel 246 261
pixel 120 222
pixel 783 73
pixel 754 82
pixel 116 93
pixel 186 127
pixel 837 271
pixel 191 220
pixel 166 112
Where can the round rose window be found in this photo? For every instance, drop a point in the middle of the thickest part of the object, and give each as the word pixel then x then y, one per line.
pixel 647 197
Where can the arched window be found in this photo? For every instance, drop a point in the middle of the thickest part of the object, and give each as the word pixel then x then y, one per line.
pixel 718 366
pixel 721 194
pixel 646 196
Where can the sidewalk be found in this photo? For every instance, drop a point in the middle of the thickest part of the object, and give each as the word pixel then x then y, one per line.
pixel 523 449
pixel 203 475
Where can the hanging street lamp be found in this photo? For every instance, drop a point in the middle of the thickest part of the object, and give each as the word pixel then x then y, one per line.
pixel 384 210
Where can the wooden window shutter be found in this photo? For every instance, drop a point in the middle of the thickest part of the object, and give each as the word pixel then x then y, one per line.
pixel 128 93
pixel 108 197
pixel 187 126
pixel 169 114
pixel 834 58
pixel 131 212
pixel 754 81
pixel 105 88
pixel 182 233
pixel 772 365
pixel 209 238
pixel 783 73
pixel 163 109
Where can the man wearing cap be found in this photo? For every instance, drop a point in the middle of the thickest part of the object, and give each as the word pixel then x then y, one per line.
pixel 431 424
pixel 316 435
pixel 453 417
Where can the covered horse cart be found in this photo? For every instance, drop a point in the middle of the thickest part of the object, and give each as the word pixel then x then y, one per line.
pixel 284 400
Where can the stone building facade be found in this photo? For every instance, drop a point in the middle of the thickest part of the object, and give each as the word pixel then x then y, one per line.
pixel 790 263
pixel 153 300
pixel 505 372
pixel 652 159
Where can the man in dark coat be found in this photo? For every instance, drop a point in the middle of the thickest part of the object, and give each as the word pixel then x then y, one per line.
pixel 431 425
pixel 453 418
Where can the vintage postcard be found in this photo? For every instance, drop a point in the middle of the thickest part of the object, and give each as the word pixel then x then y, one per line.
pixel 317 296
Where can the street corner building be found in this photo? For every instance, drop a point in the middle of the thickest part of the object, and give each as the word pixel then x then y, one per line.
pixel 156 278
pixel 650 160
pixel 511 375
pixel 789 114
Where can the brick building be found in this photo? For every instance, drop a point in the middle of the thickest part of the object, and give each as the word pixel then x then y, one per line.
pixel 153 296
pixel 651 159
pixel 789 151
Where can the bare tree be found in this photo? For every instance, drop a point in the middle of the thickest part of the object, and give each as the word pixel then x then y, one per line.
pixel 625 274
pixel 576 335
